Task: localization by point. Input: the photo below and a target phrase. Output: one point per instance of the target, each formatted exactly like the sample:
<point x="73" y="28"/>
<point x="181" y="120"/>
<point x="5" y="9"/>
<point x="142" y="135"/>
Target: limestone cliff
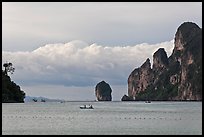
<point x="188" y="43"/>
<point x="178" y="77"/>
<point x="139" y="79"/>
<point x="160" y="60"/>
<point x="103" y="91"/>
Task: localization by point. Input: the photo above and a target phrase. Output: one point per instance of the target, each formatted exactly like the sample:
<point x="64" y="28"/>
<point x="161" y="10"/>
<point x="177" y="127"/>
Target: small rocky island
<point x="178" y="77"/>
<point x="103" y="91"/>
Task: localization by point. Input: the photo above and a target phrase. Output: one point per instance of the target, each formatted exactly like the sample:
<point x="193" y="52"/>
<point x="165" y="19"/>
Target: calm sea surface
<point x="138" y="118"/>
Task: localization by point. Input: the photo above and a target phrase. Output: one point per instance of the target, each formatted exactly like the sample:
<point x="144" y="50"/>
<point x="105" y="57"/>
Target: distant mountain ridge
<point x="40" y="99"/>
<point x="178" y="77"/>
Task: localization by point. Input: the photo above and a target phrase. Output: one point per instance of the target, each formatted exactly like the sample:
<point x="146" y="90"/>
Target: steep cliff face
<point x="103" y="91"/>
<point x="160" y="60"/>
<point x="160" y="64"/>
<point x="178" y="77"/>
<point x="139" y="79"/>
<point x="189" y="37"/>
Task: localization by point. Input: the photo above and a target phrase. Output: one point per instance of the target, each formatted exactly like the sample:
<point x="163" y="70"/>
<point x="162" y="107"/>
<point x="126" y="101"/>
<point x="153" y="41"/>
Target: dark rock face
<point x="185" y="34"/>
<point x="103" y="91"/>
<point x="189" y="36"/>
<point x="160" y="64"/>
<point x="126" y="98"/>
<point x="160" y="60"/>
<point x="178" y="77"/>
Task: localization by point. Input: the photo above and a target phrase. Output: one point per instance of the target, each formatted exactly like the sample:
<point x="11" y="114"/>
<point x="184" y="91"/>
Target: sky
<point x="61" y="50"/>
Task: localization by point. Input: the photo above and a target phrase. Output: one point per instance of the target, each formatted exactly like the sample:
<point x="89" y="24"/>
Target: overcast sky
<point x="70" y="47"/>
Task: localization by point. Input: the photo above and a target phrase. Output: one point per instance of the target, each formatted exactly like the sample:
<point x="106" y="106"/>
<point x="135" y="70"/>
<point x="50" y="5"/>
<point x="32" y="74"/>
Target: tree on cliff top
<point x="8" y="68"/>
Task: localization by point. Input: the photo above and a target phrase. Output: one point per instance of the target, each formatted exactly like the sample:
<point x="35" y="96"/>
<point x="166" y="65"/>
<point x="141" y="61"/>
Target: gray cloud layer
<point x="80" y="64"/>
<point x="28" y="25"/>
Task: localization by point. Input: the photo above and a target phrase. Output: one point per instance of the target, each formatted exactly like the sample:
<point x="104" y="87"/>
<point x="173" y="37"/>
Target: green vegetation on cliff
<point x="11" y="92"/>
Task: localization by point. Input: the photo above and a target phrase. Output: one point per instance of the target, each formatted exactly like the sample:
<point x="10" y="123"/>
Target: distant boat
<point x="86" y="107"/>
<point x="148" y="101"/>
<point x="42" y="100"/>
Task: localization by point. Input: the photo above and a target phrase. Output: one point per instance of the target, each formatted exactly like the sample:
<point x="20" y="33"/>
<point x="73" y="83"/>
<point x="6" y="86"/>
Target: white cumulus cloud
<point x="78" y="63"/>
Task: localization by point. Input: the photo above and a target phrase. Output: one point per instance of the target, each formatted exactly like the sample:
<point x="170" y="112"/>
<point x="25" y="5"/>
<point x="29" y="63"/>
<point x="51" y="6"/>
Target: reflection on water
<point x="139" y="118"/>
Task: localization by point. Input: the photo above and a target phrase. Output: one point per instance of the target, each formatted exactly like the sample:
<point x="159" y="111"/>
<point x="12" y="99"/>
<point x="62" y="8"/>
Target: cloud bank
<point x="78" y="63"/>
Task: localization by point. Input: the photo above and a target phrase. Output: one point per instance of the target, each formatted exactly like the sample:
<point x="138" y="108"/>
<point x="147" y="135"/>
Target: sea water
<point x="107" y="118"/>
